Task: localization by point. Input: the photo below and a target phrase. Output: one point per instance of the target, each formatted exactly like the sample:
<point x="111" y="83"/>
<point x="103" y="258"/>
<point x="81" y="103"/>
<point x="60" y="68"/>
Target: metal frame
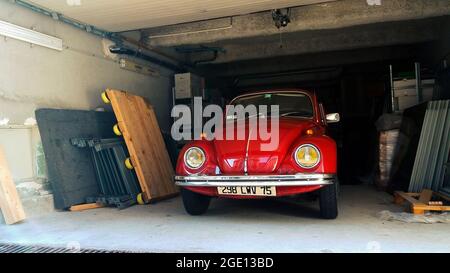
<point x="391" y="79"/>
<point x="118" y="185"/>
<point x="418" y="83"/>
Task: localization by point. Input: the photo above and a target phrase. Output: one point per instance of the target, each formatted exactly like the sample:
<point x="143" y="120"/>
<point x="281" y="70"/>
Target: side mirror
<point x="333" y="118"/>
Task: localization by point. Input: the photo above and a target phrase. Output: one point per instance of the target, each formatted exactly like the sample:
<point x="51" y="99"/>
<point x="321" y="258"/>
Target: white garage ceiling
<point x="122" y="15"/>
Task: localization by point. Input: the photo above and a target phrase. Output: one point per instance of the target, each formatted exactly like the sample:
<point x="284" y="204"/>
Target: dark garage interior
<point x="382" y="65"/>
<point x="350" y="72"/>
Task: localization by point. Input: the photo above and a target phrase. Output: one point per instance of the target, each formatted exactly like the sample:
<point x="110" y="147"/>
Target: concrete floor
<point x="237" y="226"/>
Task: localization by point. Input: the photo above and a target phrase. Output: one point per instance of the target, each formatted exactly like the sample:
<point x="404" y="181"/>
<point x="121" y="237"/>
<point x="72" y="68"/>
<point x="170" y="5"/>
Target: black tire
<point x="194" y="203"/>
<point x="328" y="201"/>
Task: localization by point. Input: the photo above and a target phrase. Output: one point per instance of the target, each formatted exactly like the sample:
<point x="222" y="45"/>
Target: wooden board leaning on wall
<point x="10" y="203"/>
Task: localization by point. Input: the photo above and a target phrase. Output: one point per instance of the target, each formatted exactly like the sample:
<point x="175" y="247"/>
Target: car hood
<point x="231" y="154"/>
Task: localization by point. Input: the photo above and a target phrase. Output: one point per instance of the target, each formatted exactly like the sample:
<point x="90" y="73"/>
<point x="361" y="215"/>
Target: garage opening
<point x="87" y="98"/>
<point x="354" y="82"/>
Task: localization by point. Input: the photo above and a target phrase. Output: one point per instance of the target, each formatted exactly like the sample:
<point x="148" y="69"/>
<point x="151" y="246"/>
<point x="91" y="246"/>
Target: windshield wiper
<point x="294" y="112"/>
<point x="233" y="117"/>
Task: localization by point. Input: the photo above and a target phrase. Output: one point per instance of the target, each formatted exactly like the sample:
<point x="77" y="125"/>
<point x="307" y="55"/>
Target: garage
<point x="91" y="93"/>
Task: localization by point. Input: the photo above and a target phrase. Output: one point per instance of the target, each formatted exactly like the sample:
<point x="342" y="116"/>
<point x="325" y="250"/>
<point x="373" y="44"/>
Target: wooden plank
<point x="10" y="203"/>
<point x="430" y="207"/>
<point x="407" y="197"/>
<point x="86" y="207"/>
<point x="425" y="196"/>
<point x="417" y="210"/>
<point x="398" y="199"/>
<point x="140" y="130"/>
<point x="413" y="194"/>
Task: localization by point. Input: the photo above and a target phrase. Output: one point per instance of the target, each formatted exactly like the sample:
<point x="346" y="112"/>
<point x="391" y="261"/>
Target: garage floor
<point x="237" y="226"/>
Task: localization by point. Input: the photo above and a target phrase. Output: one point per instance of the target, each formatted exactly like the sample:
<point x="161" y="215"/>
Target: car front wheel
<point x="328" y="201"/>
<point x="194" y="203"/>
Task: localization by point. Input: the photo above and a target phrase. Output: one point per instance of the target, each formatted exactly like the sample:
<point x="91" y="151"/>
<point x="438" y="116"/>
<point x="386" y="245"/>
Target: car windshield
<point x="291" y="104"/>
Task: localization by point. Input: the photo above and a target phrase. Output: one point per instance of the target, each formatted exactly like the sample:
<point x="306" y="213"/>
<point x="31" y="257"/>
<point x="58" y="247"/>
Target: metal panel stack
<point x="445" y="189"/>
<point x="433" y="150"/>
<point x="118" y="184"/>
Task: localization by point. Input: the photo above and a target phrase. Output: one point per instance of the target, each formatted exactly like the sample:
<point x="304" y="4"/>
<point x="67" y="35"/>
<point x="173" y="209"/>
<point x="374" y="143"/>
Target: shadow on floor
<point x="293" y="208"/>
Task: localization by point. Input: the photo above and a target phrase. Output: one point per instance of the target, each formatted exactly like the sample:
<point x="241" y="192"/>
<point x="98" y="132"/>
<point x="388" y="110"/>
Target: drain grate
<point x="16" y="248"/>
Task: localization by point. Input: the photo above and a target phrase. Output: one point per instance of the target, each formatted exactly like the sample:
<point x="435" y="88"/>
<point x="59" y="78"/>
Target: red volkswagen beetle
<point x="304" y="160"/>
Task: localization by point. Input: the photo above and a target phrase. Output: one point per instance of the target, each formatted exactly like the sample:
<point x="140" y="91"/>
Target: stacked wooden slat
<point x="387" y="148"/>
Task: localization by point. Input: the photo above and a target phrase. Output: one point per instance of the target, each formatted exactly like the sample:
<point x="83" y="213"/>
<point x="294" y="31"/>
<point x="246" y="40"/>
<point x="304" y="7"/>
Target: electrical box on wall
<point x="188" y="85"/>
<point x="138" y="68"/>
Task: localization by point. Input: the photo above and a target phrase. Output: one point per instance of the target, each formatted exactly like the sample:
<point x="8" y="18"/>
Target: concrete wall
<point x="33" y="77"/>
<point x="326" y="16"/>
<point x="442" y="49"/>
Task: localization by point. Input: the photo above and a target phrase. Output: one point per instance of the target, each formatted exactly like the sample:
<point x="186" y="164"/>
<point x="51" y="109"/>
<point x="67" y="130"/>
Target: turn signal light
<point x="309" y="132"/>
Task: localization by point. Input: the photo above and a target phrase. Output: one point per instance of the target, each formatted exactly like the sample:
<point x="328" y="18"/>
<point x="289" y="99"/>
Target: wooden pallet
<point x="88" y="206"/>
<point x="421" y="202"/>
<point x="148" y="154"/>
<point x="10" y="203"/>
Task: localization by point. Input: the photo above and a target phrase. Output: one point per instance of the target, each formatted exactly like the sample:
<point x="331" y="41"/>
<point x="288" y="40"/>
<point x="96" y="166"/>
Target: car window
<point x="292" y="104"/>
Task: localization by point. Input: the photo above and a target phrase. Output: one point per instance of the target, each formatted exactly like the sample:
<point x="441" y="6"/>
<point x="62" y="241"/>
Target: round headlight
<point x="307" y="156"/>
<point x="194" y="157"/>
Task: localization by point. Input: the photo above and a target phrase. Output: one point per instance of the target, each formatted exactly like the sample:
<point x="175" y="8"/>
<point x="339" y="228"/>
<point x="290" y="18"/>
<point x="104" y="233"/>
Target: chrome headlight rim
<point x="186" y="154"/>
<point x="310" y="146"/>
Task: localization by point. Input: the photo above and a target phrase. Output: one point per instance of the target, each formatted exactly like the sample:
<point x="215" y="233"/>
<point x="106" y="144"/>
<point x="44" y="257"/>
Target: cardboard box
<point x="406" y="95"/>
<point x="405" y="84"/>
<point x="409" y="101"/>
<point x="408" y="88"/>
<point x="188" y="85"/>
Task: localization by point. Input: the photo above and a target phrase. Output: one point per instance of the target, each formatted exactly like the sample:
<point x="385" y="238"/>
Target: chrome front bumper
<point x="255" y="180"/>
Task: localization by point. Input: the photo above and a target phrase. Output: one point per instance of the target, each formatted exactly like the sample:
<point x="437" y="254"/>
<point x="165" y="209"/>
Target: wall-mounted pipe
<point x="115" y="37"/>
<point x="201" y="49"/>
<point x="140" y="55"/>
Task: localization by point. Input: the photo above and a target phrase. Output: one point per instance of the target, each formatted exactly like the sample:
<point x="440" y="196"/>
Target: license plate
<point x="247" y="190"/>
